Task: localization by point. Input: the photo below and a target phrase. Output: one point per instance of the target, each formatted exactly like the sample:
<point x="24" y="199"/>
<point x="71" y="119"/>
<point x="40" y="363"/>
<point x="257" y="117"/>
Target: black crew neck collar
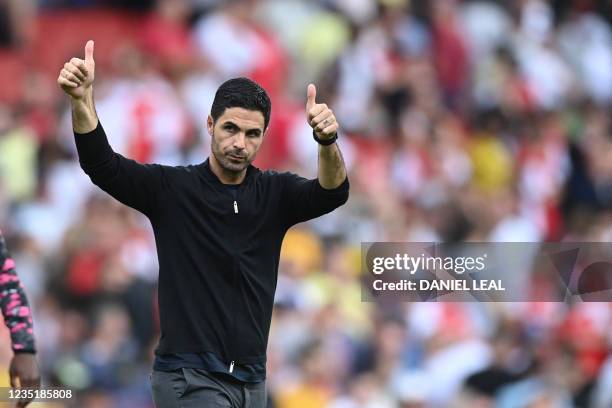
<point x="208" y="173"/>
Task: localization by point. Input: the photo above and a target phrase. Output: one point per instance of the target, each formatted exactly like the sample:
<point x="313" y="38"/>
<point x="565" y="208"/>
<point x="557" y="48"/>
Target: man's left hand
<point x="25" y="369"/>
<point x="320" y="117"/>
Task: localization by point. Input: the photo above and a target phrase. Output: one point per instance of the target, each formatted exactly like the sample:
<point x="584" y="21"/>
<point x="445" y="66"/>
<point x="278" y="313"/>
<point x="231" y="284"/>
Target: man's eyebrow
<point x="230" y="123"/>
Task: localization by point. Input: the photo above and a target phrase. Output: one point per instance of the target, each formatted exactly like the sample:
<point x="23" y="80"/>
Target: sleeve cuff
<point x="342" y="188"/>
<point x="24" y="351"/>
<point x="93" y="145"/>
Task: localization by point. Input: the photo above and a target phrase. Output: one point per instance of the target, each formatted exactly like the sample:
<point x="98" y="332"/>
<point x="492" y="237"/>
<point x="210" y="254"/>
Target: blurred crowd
<point x="461" y="121"/>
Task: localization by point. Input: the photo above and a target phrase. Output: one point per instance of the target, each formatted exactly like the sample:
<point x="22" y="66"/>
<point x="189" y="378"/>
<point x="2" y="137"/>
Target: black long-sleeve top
<point x="218" y="247"/>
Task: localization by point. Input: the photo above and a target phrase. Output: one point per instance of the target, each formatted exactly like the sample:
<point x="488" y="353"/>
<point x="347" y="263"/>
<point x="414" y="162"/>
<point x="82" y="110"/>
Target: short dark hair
<point x="241" y="93"/>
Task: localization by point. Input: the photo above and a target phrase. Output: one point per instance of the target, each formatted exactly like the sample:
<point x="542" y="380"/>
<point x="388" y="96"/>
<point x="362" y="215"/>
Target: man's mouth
<point x="236" y="156"/>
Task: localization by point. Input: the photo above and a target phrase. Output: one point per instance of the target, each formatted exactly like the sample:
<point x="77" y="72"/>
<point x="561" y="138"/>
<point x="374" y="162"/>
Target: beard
<point x="231" y="161"/>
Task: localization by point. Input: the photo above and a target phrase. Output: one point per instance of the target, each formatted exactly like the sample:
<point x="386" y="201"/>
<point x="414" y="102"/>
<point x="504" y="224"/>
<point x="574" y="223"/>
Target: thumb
<point x="312" y="94"/>
<point x="89" y="51"/>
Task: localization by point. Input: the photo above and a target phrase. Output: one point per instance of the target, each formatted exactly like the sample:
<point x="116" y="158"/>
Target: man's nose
<point x="239" y="141"/>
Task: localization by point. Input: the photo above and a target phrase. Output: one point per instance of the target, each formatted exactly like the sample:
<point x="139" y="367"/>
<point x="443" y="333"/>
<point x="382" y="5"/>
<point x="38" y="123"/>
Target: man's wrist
<point x="84" y="118"/>
<point x="87" y="95"/>
<point x="325" y="141"/>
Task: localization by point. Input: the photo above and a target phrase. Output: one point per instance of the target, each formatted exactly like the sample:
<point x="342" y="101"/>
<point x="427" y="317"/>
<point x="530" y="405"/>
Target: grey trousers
<point x="191" y="388"/>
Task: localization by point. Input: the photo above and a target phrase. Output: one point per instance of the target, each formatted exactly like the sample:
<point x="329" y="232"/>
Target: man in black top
<point x="218" y="228"/>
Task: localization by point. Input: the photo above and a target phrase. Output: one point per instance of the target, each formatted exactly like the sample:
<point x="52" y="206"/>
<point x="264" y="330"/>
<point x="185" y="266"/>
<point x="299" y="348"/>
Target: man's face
<point x="236" y="137"/>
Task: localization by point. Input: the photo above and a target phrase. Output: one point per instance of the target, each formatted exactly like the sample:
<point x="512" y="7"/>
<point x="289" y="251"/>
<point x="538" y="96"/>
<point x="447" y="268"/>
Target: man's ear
<point x="210" y="125"/>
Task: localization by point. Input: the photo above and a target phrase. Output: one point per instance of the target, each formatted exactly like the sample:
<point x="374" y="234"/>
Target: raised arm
<point x="332" y="171"/>
<point x="132" y="183"/>
<point x="305" y="199"/>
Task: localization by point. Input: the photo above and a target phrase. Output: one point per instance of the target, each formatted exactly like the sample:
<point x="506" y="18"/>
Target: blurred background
<point x="462" y="121"/>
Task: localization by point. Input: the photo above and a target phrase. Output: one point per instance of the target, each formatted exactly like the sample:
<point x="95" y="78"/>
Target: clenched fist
<point x="77" y="75"/>
<point x="320" y="117"/>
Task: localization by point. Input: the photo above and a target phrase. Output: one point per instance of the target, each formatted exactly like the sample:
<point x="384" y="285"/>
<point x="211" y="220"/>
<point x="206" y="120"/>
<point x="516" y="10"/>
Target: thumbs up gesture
<point x="320" y="117"/>
<point x="77" y="76"/>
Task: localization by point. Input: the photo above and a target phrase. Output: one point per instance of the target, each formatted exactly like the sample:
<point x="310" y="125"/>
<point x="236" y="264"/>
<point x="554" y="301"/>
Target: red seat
<point x="62" y="34"/>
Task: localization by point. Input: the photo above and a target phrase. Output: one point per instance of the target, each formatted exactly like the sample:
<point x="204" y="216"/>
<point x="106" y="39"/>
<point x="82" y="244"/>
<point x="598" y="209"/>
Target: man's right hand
<point x="77" y="76"/>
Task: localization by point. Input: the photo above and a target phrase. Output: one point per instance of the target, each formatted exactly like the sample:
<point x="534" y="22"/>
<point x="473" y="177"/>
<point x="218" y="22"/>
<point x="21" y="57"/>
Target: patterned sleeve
<point x="14" y="304"/>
